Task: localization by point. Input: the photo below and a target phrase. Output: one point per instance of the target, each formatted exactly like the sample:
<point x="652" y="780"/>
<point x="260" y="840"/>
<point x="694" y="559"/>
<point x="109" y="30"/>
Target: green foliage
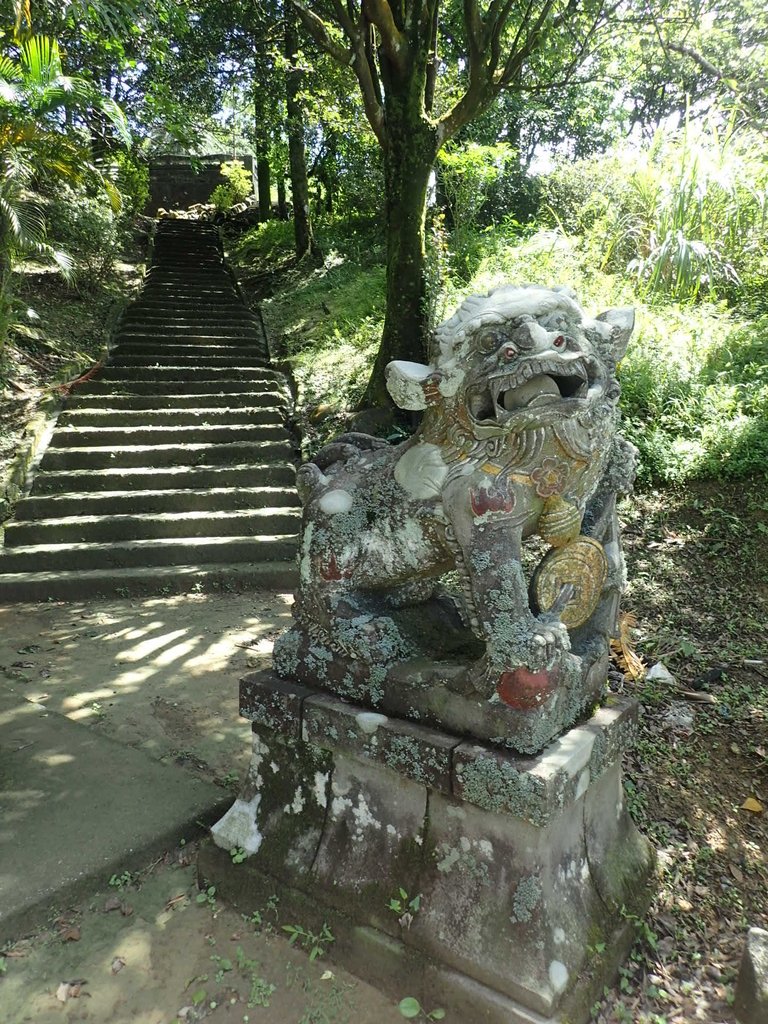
<point x="207" y="896"/>
<point x="40" y="152"/>
<point x="266" y="244"/>
<point x="695" y="395"/>
<point x="124" y="880"/>
<point x="467" y="175"/>
<point x="688" y="216"/>
<point x="133" y="183"/>
<point x="403" y="904"/>
<point x="88" y="230"/>
<point x="412" y="1009"/>
<point x="313" y="943"/>
<point x="238" y="185"/>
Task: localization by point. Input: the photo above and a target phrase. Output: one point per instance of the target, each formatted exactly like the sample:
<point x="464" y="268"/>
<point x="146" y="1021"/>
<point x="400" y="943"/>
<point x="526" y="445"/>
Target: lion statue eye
<point x="559" y="341"/>
<point x="488" y="341"/>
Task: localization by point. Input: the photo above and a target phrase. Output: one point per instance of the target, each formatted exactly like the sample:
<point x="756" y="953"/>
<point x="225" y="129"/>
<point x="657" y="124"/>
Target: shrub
<point x="467" y="175"/>
<point x="238" y="185"/>
<point x="688" y="217"/>
<point x="133" y="185"/>
<point x="86" y="227"/>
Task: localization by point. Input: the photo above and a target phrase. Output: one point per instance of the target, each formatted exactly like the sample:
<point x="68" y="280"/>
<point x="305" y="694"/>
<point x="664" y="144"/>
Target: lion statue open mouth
<point x="518" y="440"/>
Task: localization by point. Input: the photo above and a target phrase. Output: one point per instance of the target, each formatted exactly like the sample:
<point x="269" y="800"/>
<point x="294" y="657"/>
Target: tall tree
<point x="394" y="49"/>
<point x="302" y="221"/>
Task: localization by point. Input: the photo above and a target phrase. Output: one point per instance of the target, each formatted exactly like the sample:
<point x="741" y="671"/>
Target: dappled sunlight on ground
<point x="160" y="674"/>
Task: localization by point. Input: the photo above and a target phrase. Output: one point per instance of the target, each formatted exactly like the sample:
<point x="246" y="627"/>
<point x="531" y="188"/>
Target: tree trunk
<point x="302" y="221"/>
<point x="264" y="182"/>
<point x="282" y="204"/>
<point x="408" y="162"/>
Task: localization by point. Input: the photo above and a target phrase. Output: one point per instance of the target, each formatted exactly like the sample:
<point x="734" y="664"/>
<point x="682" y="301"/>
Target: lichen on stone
<point x="526" y="899"/>
<point x="497" y="786"/>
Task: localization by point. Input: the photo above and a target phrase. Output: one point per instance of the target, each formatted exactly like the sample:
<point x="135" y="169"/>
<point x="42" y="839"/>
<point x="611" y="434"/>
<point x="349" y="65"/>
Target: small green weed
<point x="207" y="896"/>
<point x="261" y="992"/>
<point x="404" y="907"/>
<point x="238" y="854"/>
<point x="259" y="917"/>
<point x="123" y="881"/>
<point x="223" y="966"/>
<point x="313" y="943"/>
<point x="413" y="1010"/>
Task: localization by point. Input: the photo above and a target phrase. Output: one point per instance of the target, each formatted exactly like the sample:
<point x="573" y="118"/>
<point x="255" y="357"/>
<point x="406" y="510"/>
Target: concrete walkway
<point x="171" y="467"/>
<point x="119" y="735"/>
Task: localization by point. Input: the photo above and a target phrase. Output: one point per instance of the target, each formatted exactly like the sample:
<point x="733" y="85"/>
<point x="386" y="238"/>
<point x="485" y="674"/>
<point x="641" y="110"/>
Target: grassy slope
<point x="698" y="567"/>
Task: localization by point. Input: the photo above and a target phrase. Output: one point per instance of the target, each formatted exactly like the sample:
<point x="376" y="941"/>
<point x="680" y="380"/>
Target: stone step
<point x="213" y="326"/>
<point x="189" y="303"/>
<point x="225" y="347"/>
<point x="169" y="390"/>
<point x="233" y="318"/>
<point x="163" y="276"/>
<point x="135" y="553"/>
<point x="128" y="502"/>
<point x="171" y="291"/>
<point x="105" y="417"/>
<point x="143" y="581"/>
<point x="211" y="374"/>
<point x="92" y="529"/>
<point x="167" y="455"/>
<point x="111" y="401"/>
<point x="242" y="361"/>
<point x="154" y="478"/>
<point x="116" y="437"/>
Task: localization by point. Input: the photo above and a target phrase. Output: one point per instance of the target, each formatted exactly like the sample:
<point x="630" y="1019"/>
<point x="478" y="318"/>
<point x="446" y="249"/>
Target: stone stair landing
<point x="172" y="468"/>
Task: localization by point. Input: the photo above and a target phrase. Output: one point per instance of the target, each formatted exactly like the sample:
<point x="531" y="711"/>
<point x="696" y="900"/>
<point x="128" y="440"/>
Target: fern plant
<point x="39" y="149"/>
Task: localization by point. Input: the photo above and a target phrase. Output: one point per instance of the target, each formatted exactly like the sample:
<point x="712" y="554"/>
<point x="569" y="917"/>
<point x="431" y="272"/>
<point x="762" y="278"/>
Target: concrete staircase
<point x="172" y="468"/>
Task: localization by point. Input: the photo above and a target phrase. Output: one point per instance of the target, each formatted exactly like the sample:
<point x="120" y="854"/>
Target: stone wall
<point x="176" y="182"/>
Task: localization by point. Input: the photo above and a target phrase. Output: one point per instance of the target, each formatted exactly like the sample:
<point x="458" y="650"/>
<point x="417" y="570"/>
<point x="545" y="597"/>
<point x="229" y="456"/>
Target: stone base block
<point x="527" y="870"/>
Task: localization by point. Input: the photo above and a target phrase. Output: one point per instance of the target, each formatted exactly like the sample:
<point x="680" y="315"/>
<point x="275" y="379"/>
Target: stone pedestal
<point x="529" y="869"/>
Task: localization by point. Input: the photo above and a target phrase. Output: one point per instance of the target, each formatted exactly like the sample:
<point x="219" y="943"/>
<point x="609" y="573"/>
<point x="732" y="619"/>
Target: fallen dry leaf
<point x="70" y="989"/>
<point x="750" y="804"/>
<point x="112" y="903"/>
<point x="70" y="934"/>
<point x="736" y="872"/>
<point x="174" y="901"/>
<point x="126" y="909"/>
<point x="117" y="965"/>
<point x="623" y="647"/>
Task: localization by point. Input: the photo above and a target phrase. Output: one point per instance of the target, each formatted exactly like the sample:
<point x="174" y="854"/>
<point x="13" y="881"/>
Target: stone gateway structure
<point x="433" y="721"/>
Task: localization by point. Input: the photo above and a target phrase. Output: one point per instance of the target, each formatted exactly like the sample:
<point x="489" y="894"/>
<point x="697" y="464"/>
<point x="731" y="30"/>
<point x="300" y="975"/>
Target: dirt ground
<point x="146" y="952"/>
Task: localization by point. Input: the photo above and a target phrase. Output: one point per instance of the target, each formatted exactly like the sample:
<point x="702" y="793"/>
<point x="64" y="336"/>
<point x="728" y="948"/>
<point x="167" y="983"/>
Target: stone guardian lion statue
<point x="517" y="444"/>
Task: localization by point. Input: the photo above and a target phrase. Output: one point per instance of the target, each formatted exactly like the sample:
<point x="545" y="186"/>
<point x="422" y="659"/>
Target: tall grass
<point x="687" y="217"/>
<point x="694" y="379"/>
